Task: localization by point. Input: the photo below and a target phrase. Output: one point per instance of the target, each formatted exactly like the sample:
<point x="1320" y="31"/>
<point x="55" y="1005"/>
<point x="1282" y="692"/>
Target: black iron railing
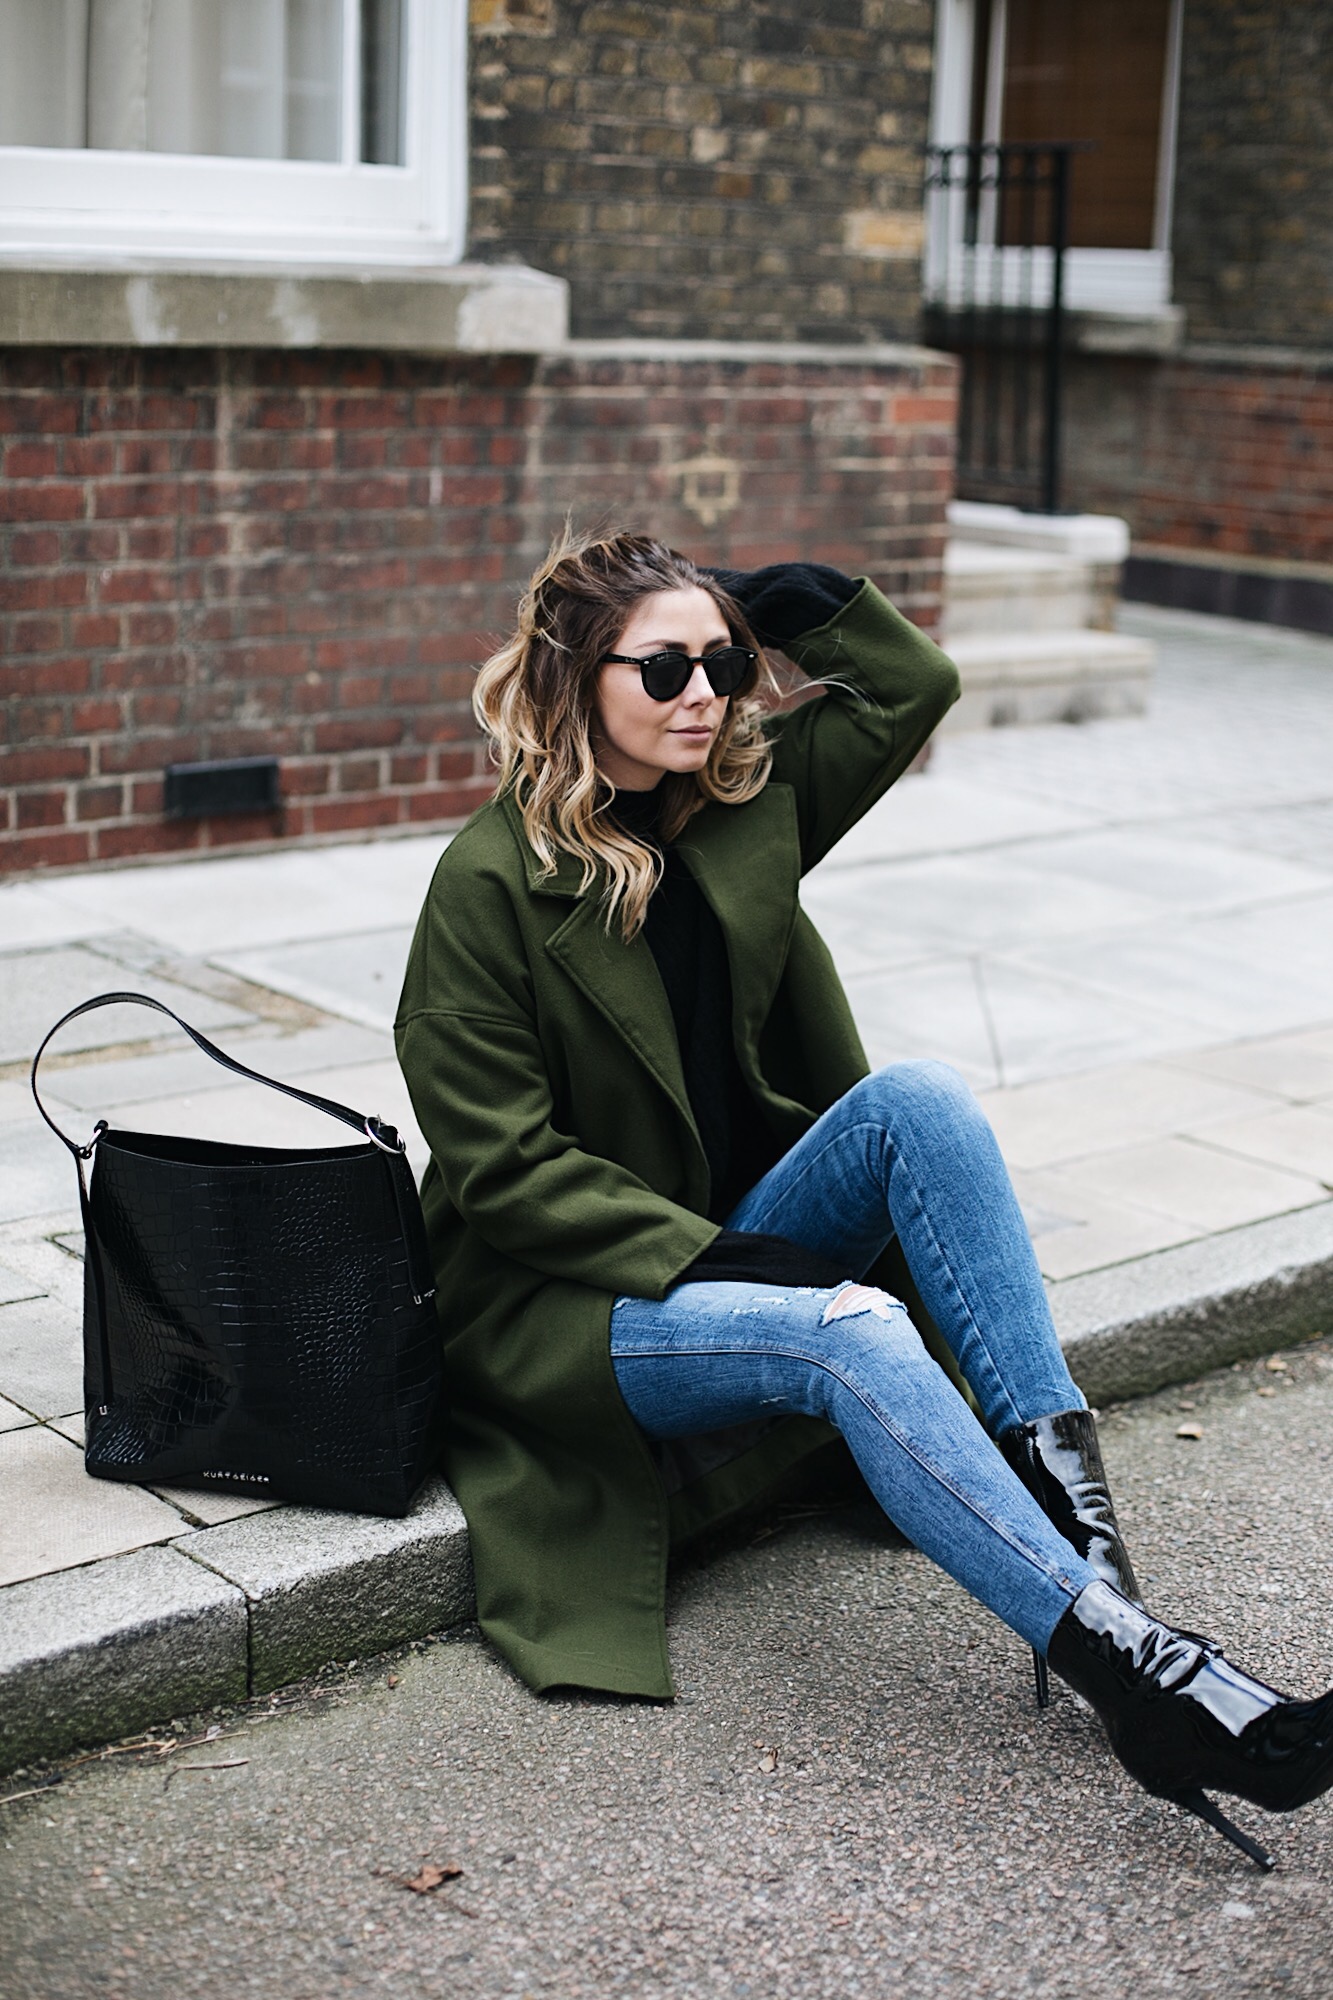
<point x="997" y="232"/>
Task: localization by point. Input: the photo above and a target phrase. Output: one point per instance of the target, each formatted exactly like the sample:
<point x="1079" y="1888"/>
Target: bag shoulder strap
<point x="382" y="1135"/>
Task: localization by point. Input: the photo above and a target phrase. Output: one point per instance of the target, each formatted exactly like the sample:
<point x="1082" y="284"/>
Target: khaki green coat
<point x="566" y="1168"/>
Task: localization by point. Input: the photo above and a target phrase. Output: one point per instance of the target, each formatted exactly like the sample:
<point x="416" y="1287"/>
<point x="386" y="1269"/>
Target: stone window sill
<point x="455" y="309"/>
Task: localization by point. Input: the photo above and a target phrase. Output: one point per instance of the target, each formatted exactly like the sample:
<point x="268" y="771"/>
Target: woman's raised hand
<point x="783" y="600"/>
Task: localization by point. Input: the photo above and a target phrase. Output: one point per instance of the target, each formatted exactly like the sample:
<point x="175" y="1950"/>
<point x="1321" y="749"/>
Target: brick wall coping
<point x="1161" y="331"/>
<point x="825" y="354"/>
<point x="456" y="309"/>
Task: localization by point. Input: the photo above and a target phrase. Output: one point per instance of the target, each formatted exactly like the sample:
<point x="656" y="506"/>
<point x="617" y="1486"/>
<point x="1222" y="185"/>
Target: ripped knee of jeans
<point x="853" y="1299"/>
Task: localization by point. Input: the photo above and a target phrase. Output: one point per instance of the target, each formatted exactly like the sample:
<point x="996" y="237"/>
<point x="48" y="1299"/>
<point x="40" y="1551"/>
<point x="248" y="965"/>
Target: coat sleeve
<point x="477" y="1075"/>
<point x="842" y="751"/>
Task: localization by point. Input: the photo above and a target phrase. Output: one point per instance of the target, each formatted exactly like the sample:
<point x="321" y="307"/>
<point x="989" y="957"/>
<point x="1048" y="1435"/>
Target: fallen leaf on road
<point x="1265" y="1391"/>
<point x="1276" y="1365"/>
<point x="769" y="1761"/>
<point x="393" y="1680"/>
<point x="1190" y="1431"/>
<point x="430" y="1876"/>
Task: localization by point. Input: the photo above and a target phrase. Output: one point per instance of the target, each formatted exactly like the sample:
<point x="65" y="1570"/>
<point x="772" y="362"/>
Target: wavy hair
<point x="534" y="700"/>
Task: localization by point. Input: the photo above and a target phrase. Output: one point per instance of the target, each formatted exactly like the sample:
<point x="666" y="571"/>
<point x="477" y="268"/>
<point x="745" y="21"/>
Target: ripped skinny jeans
<point x="906" y="1152"/>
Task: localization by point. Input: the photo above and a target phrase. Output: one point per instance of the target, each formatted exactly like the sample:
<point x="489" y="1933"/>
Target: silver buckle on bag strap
<point x="372" y="1128"/>
<point x="86" y="1152"/>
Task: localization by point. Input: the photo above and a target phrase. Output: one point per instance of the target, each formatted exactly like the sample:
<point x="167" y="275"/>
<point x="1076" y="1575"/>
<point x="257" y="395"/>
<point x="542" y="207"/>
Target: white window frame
<point x="1129" y="282"/>
<point x="100" y="210"/>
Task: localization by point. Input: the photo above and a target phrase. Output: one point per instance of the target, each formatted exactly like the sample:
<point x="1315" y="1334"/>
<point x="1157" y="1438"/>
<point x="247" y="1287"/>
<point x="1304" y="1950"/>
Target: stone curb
<point x="1166" y="1318"/>
<point x="90" y="1654"/>
<point x="87" y="1655"/>
<point x="321" y="1586"/>
<point x="94" y="1653"/>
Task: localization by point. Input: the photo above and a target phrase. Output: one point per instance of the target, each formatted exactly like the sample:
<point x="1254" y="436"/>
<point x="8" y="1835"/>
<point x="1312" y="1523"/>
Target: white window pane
<point x="252" y="79"/>
<point x="314" y="79"/>
<point x="267" y="212"/>
<point x="184" y="102"/>
<point x="43" y="64"/>
<point x="118" y="57"/>
<point x="382" y="72"/>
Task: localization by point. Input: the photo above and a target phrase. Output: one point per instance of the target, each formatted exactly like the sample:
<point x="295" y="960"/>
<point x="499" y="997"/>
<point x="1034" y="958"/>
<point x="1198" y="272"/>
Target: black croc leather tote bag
<point x="257" y="1320"/>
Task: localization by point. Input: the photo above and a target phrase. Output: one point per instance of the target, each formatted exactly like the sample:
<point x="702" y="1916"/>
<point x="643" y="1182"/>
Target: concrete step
<point x="1045" y="676"/>
<point x="988" y="587"/>
<point x="1094" y="538"/>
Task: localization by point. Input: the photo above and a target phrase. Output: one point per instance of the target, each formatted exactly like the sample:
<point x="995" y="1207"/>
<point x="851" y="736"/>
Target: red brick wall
<point x="1206" y="454"/>
<point x="219" y="555"/>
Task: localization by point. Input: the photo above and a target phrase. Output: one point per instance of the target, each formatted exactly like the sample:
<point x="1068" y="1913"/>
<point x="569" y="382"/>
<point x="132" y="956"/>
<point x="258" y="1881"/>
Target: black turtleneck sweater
<point x="686" y="941"/>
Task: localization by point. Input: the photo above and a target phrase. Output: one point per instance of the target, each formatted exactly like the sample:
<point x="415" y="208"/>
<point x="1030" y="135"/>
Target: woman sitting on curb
<point x="669" y="1208"/>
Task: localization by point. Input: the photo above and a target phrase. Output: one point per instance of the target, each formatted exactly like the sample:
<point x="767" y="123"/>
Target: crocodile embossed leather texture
<point x="263" y="1329"/>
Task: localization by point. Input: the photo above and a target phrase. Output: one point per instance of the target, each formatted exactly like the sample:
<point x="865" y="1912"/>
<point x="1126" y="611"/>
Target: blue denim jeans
<point x="906" y="1152"/>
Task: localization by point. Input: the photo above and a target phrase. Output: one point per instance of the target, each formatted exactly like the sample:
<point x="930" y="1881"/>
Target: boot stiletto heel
<point x="1204" y="1809"/>
<point x="1042" y="1678"/>
<point x="1059" y="1460"/>
<point x="1182" y="1720"/>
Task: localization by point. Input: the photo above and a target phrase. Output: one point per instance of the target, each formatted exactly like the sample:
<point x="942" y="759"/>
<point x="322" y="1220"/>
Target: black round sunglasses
<point x="665" y="675"/>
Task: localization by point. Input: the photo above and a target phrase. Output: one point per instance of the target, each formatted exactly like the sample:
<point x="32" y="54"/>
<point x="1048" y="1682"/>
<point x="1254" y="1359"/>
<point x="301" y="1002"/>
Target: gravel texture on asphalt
<point x="854" y="1793"/>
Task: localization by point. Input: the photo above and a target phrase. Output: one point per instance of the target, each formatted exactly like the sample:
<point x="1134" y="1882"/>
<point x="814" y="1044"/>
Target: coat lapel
<point x="622" y="983"/>
<point x="746" y="861"/>
<point x="619" y="979"/>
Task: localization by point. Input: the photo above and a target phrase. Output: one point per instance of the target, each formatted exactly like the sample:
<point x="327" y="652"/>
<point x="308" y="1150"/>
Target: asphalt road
<point x="853" y="1795"/>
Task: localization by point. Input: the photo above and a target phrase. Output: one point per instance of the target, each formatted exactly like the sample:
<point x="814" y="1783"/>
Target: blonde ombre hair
<point x="534" y="699"/>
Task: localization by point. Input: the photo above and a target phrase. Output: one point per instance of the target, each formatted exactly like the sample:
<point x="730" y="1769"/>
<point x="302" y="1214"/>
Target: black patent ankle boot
<point x="1181" y="1718"/>
<point x="1059" y="1460"/>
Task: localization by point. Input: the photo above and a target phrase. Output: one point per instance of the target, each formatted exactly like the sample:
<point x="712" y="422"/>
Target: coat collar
<point x="721" y="845"/>
<point x="568" y="872"/>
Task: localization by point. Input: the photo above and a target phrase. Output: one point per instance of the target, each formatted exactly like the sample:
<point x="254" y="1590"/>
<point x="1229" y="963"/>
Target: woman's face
<point x="635" y="739"/>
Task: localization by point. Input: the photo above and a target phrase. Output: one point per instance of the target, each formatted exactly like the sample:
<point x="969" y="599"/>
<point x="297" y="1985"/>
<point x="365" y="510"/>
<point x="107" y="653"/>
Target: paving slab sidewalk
<point x="1121" y="933"/>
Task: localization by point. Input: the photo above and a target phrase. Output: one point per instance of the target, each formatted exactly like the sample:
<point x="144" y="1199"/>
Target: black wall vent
<point x="232" y="785"/>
